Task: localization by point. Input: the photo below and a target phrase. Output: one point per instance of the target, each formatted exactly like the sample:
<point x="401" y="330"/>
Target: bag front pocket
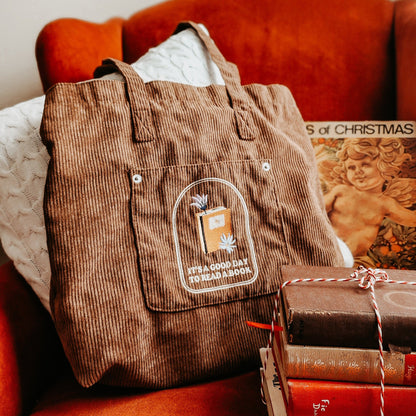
<point x="207" y="234"/>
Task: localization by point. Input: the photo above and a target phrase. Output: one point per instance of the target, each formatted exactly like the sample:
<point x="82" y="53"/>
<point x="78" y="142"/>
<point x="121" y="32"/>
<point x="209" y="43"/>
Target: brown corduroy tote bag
<point x="169" y="210"/>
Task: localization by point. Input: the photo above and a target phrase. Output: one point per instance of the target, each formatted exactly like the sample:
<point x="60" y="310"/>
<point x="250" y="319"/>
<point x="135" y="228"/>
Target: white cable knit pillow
<point x="24" y="159"/>
<point x="23" y="165"/>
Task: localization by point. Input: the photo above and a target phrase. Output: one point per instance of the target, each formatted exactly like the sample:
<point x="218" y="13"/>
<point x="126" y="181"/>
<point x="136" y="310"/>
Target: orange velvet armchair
<point x="352" y="60"/>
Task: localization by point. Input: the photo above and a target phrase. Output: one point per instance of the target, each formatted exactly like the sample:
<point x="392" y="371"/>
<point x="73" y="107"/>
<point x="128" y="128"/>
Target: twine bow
<point x="367" y="279"/>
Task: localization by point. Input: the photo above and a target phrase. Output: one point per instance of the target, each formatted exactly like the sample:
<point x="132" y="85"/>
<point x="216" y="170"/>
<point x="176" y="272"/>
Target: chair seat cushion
<point x="238" y="395"/>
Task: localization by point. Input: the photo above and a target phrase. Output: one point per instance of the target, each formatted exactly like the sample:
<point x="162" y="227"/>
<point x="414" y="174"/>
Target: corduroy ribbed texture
<point x="135" y="298"/>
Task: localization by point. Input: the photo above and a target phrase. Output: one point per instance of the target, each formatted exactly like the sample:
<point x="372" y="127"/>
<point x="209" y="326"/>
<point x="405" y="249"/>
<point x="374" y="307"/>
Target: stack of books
<point x="325" y="361"/>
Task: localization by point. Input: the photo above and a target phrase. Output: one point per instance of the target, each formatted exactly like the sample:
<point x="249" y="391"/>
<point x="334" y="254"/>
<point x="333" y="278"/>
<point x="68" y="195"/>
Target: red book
<point x="332" y="398"/>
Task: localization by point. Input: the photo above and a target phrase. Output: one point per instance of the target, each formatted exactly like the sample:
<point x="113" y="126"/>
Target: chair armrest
<point x="65" y="43"/>
<point x="405" y="35"/>
<point x="29" y="348"/>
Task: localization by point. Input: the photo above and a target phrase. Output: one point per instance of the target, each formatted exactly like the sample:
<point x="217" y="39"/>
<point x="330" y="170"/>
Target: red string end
<point x="264" y="326"/>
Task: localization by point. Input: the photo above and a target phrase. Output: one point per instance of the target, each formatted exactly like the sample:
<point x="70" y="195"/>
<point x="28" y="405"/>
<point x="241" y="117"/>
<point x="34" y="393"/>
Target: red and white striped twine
<point x="367" y="279"/>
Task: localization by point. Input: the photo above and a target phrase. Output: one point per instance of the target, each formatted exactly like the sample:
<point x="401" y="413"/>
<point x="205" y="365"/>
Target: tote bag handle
<point x="231" y="77"/>
<point x="140" y="104"/>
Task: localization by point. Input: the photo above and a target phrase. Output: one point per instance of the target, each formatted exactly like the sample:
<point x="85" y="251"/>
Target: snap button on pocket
<point x="266" y="166"/>
<point x="137" y="178"/>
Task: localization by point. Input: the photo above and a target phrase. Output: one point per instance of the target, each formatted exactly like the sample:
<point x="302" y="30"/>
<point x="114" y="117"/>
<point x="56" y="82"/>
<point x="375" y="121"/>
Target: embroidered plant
<point x="227" y="243"/>
<point x="200" y="201"/>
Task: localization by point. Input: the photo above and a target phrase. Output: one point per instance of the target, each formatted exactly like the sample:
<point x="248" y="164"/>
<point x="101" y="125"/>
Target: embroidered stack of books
<point x="327" y="356"/>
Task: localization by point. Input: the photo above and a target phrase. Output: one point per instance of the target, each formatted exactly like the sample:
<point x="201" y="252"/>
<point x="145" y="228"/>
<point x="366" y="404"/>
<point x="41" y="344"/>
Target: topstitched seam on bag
<point x="281" y="228"/>
<point x="191" y="165"/>
<point x="216" y="99"/>
<point x="264" y="292"/>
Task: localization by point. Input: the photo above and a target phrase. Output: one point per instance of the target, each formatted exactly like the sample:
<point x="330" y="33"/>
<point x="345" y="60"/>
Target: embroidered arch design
<point x="248" y="235"/>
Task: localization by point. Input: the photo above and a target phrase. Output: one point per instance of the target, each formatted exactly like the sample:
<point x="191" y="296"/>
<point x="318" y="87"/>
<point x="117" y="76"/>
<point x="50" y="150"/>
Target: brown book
<point x="340" y="314"/>
<point x="343" y="364"/>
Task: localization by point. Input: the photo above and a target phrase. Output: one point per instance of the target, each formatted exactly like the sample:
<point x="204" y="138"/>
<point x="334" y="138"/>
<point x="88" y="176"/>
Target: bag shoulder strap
<point x="231" y="76"/>
<point x="141" y="114"/>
